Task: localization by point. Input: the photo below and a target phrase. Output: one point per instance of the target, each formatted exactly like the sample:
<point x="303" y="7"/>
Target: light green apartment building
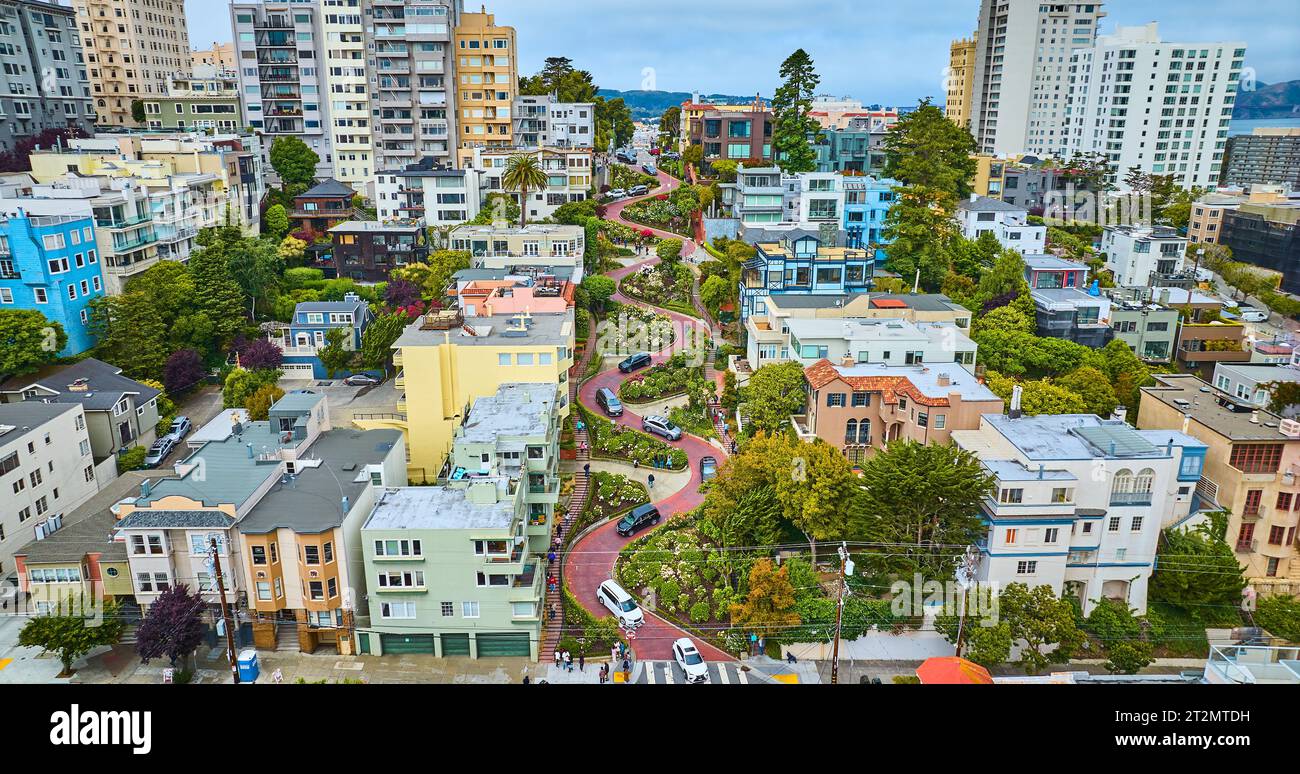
<point x="459" y="568"/>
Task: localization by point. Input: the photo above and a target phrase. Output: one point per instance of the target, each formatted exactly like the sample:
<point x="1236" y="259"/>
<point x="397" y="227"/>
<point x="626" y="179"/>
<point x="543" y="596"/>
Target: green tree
<point x="29" y="340"/>
<point x="794" y="130"/>
<point x="275" y="223"/>
<point x="927" y="496"/>
<point x="240" y="383"/>
<point x="435" y="275"/>
<point x="1041" y="619"/>
<point x="613" y="122"/>
<point x="334" y="355"/>
<point x="926" y="150"/>
<point x="71" y="633"/>
<point x="259" y="403"/>
<point x="257" y="268"/>
<point x="1127" y="373"/>
<point x="988" y="646"/>
<point x="670" y="252"/>
<point x="774" y="392"/>
<point x="1093" y="387"/>
<point x="523" y="173"/>
<point x="1280" y="617"/>
<point x="670" y="125"/>
<point x="1128" y="658"/>
<point x="1282" y="395"/>
<point x="815" y="490"/>
<point x="599" y="290"/>
<point x="715" y="292"/>
<point x="559" y="77"/>
<point x="1196" y="568"/>
<point x="378" y="338"/>
<point x="921" y="231"/>
<point x="768" y="607"/>
<point x="499" y="207"/>
<point x="137" y="111"/>
<point x="293" y="161"/>
<point x="216" y="292"/>
<point x="130" y="334"/>
<point x="1037" y="396"/>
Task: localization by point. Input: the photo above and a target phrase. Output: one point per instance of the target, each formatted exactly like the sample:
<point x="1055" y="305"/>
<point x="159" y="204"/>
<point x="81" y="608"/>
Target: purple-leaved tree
<point x="401" y="293"/>
<point x="173" y="628"/>
<point x="184" y="370"/>
<point x="261" y="354"/>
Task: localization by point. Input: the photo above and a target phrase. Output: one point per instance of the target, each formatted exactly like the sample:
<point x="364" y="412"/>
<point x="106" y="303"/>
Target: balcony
<point x="544" y="493"/>
<point x="539" y="464"/>
<point x="401" y="404"/>
<point x="140" y="240"/>
<point x="399" y="381"/>
<point x="1253" y="513"/>
<point x="1247" y="546"/>
<point x="124" y="222"/>
<point x="1130" y="498"/>
<point x="802" y="428"/>
<point x="397" y="359"/>
<point x="1253" y="664"/>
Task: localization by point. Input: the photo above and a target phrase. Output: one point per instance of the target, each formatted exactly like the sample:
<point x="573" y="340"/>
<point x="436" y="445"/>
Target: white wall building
<point x="348" y="94"/>
<point x="568" y="175"/>
<point x="47" y="470"/>
<point x="1021" y="80"/>
<point x="1142" y="256"/>
<point x="543" y="121"/>
<point x="442" y="197"/>
<point x="1008" y="222"/>
<point x="1079" y="502"/>
<point x="881" y="341"/>
<point x="1161" y="106"/>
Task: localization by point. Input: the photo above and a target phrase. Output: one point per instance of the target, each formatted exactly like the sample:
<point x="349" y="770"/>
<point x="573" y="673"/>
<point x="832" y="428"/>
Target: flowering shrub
<point x="659" y="285"/>
<point x="629" y="329"/>
<point x="661" y="381"/>
<point x="684" y="569"/>
<point x="614" y="492"/>
<point x="626" y="444"/>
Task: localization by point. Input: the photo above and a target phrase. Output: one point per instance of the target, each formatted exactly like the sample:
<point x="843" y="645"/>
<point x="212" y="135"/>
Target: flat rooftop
<point x="1253" y="372"/>
<point x="515" y="410"/>
<point x="924" y="378"/>
<point x="545" y="330"/>
<point x="533" y="229"/>
<point x="871" y="329"/>
<point x="1049" y="437"/>
<point x="227" y="471"/>
<point x="373" y="226"/>
<point x="439" y="507"/>
<point x="1044" y="262"/>
<point x="1014" y="470"/>
<point x="1195" y="398"/>
<point x="18" y="419"/>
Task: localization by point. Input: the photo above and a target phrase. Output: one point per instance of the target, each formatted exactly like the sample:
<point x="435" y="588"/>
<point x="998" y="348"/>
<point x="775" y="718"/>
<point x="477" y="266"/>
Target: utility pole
<point x="225" y="613"/>
<point x="846" y="569"/>
<point x="965" y="577"/>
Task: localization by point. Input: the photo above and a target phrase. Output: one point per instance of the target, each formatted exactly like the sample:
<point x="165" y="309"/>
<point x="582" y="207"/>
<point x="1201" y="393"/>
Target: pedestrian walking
<point x="627" y="666"/>
<point x="550" y="557"/>
<point x="586" y="470"/>
<point x="753" y="643"/>
<point x="602" y="674"/>
<point x="613" y="655"/>
<point x="525" y="679"/>
<point x="568" y="661"/>
<point x="636" y="464"/>
<point x="622" y="650"/>
<point x="651" y="479"/>
<point x="552" y="611"/>
<point x="582" y="662"/>
<point x="557" y="657"/>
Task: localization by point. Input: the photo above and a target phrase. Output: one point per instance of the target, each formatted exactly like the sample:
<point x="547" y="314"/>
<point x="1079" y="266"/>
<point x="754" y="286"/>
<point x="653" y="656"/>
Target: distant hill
<point x="652" y="104"/>
<point x="1271" y="100"/>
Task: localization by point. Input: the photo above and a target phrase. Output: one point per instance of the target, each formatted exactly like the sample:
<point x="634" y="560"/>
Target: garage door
<point x="455" y="644"/>
<point x="397" y="644"/>
<point x="297" y="370"/>
<point x="513" y="644"/>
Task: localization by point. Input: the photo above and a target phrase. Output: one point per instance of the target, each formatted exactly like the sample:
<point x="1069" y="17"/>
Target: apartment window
<point x="1062" y="495"/>
<point x="329" y="552"/>
<point x="397" y="579"/>
<point x="1284" y="501"/>
<point x="1051" y="534"/>
<point x="1113" y="526"/>
<point x="275" y="554"/>
<point x="1011" y="536"/>
<point x="259" y="554"/>
<point x="333" y="586"/>
<point x="469" y="609"/>
<point x="1026" y="568"/>
<point x="1011" y="496"/>
<point x="316" y="590"/>
<point x="448" y="609"/>
<point x="1256" y="457"/>
<point x="396" y="609"/>
<point x="398" y="548"/>
<point x="311" y="554"/>
<point x="835" y="399"/>
<point x="1275" y="535"/>
<point x="264" y="591"/>
<point x="861" y="399"/>
<point x="1136" y="525"/>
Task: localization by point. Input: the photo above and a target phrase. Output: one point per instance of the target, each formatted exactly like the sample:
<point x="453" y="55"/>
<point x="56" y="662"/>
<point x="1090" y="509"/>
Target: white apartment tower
<point x="1164" y="107"/>
<point x="280" y="54"/>
<point x="349" y="94"/>
<point x="1020" y="85"/>
<point x="411" y="65"/>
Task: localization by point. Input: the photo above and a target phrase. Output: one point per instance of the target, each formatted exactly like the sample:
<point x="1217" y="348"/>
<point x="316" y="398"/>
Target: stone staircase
<point x="719" y="423"/>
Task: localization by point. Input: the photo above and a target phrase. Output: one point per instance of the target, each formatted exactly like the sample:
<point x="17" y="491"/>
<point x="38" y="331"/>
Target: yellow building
<point x="448" y="361"/>
<point x="221" y="56"/>
<point x="960" y="82"/>
<point x="487" y="81"/>
<point x="129" y="57"/>
<point x="990" y="174"/>
<point x="80" y="563"/>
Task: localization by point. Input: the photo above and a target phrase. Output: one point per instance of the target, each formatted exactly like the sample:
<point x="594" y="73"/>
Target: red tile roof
<point x="823" y="372"/>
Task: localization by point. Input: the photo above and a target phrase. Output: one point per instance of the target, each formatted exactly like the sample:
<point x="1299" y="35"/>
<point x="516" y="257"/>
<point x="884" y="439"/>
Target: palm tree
<point x="523" y="173"/>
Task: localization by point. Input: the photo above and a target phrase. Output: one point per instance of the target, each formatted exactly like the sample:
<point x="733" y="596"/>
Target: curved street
<point x="591" y="560"/>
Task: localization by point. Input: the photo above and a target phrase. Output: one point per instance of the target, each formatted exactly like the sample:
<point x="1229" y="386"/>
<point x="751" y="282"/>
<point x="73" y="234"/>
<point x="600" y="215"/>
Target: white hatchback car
<point x="691" y="662"/>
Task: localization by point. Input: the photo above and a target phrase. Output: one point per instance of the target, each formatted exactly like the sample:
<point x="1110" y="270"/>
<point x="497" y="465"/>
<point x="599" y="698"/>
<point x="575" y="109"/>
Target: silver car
<point x="159" y="451"/>
<point x="661" y="426"/>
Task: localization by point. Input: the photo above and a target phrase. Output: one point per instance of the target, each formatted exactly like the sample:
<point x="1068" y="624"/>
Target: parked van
<point x="606" y="399"/>
<point x="621" y="604"/>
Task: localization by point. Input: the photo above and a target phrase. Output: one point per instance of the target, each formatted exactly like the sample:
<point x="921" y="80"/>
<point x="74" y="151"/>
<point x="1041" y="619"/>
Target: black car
<point x="633" y="362"/>
<point x="637" y="519"/>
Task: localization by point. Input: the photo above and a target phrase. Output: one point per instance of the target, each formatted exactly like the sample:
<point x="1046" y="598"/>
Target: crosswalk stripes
<point x="722" y="676"/>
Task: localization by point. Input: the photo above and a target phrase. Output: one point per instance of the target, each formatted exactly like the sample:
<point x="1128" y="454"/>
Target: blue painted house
<point x="797" y="262"/>
<point x="866" y="203"/>
<point x="306" y="333"/>
<point x="49" y="263"/>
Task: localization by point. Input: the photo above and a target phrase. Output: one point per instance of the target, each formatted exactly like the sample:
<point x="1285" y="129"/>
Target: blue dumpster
<point x="248" y="666"/>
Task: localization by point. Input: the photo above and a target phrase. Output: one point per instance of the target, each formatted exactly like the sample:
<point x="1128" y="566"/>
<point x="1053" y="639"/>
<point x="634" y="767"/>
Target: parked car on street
<point x="649" y="169"/>
<point x="360" y="380"/>
<point x="690" y="661"/>
<point x="159" y="451"/>
<point x="637" y="519"/>
<point x="617" y="193"/>
<point x="181" y="427"/>
<point x="661" y="426"/>
<point x="633" y="362"/>
<point x="1251" y="314"/>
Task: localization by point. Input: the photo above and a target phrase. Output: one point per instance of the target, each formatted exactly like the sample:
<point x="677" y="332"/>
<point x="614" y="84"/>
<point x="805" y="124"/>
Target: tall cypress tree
<point x="795" y="130"/>
<point x="216" y="293"/>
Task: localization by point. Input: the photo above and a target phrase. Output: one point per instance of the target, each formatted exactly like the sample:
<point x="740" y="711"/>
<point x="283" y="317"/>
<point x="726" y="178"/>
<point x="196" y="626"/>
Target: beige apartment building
<point x="1206" y="222"/>
<point x="859" y="408"/>
<point x="132" y="48"/>
<point x="221" y="56"/>
<point x="487" y="81"/>
<point x="960" y="81"/>
<point x="1250" y="471"/>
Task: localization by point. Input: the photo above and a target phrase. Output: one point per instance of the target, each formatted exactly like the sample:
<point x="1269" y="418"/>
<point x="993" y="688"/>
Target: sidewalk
<point x="667" y="482"/>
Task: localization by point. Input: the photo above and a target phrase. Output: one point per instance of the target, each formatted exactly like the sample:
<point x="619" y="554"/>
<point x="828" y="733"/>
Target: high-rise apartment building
<point x="349" y="95"/>
<point x="133" y="47"/>
<point x="1161" y="106"/>
<point x="960" y="82"/>
<point x="487" y="80"/>
<point x="1266" y="156"/>
<point x="280" y="51"/>
<point x="1021" y="78"/>
<point x="411" y="72"/>
<point x="48" y="87"/>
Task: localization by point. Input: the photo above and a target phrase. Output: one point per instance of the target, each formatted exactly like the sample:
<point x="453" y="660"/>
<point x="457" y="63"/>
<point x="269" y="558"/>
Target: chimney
<point x="1254" y="417"/>
<point x="145" y="488"/>
<point x="1187" y="422"/>
<point x="847" y="361"/>
<point x="1014" y="413"/>
<point x="944" y="380"/>
<point x="1121" y="413"/>
<point x="974" y="197"/>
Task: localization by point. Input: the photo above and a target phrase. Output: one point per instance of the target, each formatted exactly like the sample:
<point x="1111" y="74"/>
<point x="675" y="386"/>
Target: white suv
<point x="691" y="662"/>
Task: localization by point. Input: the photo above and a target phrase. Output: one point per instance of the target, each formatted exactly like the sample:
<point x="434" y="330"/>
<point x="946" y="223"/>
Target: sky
<point x="878" y="52"/>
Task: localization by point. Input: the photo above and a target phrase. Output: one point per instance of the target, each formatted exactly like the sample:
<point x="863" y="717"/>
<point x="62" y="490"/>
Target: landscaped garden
<point x="665" y="380"/>
<point x="619" y="442"/>
<point x="626" y="178"/>
<point x="665" y="284"/>
<point x="628" y="328"/>
<point x="613" y="493"/>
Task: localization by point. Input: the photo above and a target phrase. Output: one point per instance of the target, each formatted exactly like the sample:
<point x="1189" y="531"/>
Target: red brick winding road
<point x="590" y="561"/>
